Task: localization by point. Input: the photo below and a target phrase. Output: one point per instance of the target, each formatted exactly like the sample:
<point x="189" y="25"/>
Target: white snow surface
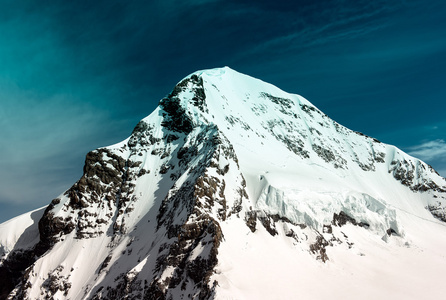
<point x="300" y="166"/>
<point x="20" y="232"/>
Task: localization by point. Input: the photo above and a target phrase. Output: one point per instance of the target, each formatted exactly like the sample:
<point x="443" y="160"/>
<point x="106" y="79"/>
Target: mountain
<point x="235" y="189"/>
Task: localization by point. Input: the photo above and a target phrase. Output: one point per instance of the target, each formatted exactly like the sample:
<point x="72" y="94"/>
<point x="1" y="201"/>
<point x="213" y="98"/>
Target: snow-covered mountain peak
<point x="285" y="131"/>
<point x="228" y="172"/>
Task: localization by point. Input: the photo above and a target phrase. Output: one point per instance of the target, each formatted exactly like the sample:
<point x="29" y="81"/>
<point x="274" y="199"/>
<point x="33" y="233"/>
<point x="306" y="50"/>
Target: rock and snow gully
<point x="235" y="189"/>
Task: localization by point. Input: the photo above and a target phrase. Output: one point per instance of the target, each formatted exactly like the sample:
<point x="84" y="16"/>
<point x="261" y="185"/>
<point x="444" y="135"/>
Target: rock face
<point x="225" y="166"/>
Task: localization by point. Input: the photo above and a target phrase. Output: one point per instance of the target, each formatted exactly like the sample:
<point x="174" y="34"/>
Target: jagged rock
<point x="251" y="220"/>
<point x="319" y="248"/>
<point x="342" y="218"/>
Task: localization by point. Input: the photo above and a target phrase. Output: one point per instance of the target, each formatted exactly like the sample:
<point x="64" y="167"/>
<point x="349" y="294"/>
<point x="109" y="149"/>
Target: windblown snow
<point x="235" y="189"/>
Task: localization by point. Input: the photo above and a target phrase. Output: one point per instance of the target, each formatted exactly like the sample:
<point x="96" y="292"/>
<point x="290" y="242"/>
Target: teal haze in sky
<point x="78" y="75"/>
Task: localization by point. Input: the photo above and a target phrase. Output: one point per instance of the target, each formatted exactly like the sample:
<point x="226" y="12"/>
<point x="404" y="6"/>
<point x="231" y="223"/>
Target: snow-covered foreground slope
<point x="234" y="189"/>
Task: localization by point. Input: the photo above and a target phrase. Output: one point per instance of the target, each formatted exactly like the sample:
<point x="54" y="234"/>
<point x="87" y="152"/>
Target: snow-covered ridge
<point x="228" y="172"/>
<point x="252" y="114"/>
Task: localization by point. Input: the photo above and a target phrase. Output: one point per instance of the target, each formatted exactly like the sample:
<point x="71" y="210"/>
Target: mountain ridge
<point x="213" y="165"/>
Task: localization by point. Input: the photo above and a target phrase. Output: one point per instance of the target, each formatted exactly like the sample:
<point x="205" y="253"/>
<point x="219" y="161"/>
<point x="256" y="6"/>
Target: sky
<point x="79" y="75"/>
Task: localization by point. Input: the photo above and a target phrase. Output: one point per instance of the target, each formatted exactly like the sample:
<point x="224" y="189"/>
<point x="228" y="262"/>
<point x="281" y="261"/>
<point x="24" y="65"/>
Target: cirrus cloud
<point x="429" y="150"/>
<point x="432" y="152"/>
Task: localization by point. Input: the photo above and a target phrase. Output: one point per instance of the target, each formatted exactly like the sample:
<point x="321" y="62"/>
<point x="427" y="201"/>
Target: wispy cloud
<point x="430" y="150"/>
<point x="319" y="24"/>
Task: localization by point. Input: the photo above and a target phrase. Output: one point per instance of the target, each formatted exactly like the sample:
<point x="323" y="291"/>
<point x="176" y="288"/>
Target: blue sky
<point x="78" y="75"/>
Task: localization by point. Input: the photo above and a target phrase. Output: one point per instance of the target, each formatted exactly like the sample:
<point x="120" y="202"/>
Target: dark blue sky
<point x="78" y="75"/>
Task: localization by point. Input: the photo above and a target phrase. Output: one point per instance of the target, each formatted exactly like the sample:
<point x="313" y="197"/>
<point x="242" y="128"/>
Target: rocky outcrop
<point x="176" y="117"/>
<point x="438" y="211"/>
<point x="410" y="174"/>
<point x="190" y="214"/>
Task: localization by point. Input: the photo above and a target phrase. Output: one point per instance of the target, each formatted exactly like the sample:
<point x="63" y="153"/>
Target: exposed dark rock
<point x="366" y="167"/>
<point x="290" y="233"/>
<point x="403" y="171"/>
<point x="105" y="263"/>
<point x="327" y="229"/>
<point x="194" y="84"/>
<point x="407" y="173"/>
<point x="380" y="157"/>
<point x="243" y="195"/>
<point x="362" y="134"/>
<point x="428" y="186"/>
<point x="202" y="231"/>
<point x="438" y="211"/>
<point x="364" y="225"/>
<point x="311" y="109"/>
<point x="293" y="144"/>
<point x="328" y="156"/>
<point x="342" y="218"/>
<point x="142" y="136"/>
<point x="391" y="231"/>
<point x="50" y="228"/>
<point x="127" y="286"/>
<point x="171" y="137"/>
<point x="285" y="105"/>
<point x="268" y="223"/>
<point x="176" y="118"/>
<point x="277" y="218"/>
<point x="165" y="168"/>
<point x="319" y="248"/>
<point x="210" y="189"/>
<point x="56" y="282"/>
<point x="186" y="154"/>
<point x="267" y="220"/>
<point x="199" y="94"/>
<point x="12" y="270"/>
<point x="251" y="220"/>
<point x="143" y="172"/>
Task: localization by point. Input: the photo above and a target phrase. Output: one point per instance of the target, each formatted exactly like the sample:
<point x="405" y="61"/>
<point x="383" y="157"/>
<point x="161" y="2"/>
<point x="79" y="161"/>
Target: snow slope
<point x="235" y="189"/>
